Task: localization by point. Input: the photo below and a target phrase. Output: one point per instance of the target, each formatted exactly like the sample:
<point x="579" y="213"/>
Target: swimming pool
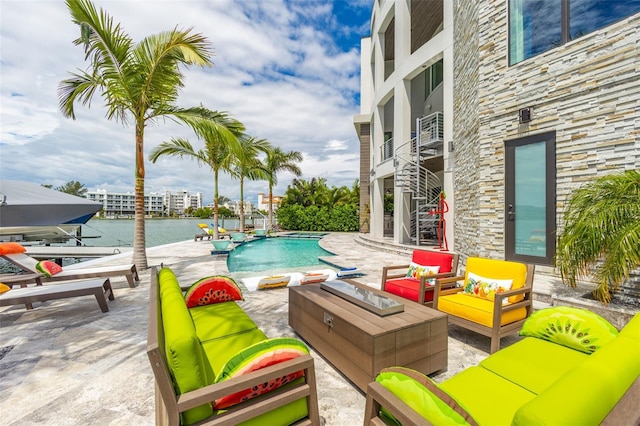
<point x="275" y="253"/>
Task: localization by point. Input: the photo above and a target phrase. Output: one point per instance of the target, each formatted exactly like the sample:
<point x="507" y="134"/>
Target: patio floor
<point x="66" y="363"/>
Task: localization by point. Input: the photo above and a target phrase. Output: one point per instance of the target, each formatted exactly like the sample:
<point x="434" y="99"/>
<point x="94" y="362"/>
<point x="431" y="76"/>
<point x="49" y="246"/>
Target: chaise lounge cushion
<point x="491" y="399"/>
<point x="4" y="288"/>
<point x="527" y="363"/>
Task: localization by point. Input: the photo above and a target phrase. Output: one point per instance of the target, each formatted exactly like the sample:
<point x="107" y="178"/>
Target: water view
<point x="119" y="232"/>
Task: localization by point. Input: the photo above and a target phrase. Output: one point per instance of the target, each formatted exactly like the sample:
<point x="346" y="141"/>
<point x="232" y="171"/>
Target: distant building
<point x="234" y="206"/>
<point x="119" y="204"/>
<point x="177" y="203"/>
<point x="263" y="201"/>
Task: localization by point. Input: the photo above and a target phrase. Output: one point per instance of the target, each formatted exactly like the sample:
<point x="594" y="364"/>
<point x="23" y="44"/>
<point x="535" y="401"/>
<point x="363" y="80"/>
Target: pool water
<point x="275" y="253"/>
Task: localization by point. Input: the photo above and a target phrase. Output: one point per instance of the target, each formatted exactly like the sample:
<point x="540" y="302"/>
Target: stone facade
<point x="587" y="91"/>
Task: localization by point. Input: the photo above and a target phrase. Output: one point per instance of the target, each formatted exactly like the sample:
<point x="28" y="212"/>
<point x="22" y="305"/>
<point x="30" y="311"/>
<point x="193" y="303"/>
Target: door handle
<point x="511" y="215"/>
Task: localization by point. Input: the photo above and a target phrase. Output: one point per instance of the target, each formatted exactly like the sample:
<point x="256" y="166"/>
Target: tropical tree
<point x="221" y="138"/>
<point x="139" y="82"/>
<point x="73" y="188"/>
<point x="601" y="235"/>
<point x="277" y="161"/>
<point x="249" y="167"/>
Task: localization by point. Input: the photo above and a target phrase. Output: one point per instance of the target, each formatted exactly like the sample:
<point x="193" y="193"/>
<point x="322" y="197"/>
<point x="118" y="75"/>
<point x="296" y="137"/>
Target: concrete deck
<point x="67" y="363"/>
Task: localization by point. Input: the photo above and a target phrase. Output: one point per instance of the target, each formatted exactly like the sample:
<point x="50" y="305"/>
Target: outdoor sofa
<point x="205" y="355"/>
<point x="571" y="368"/>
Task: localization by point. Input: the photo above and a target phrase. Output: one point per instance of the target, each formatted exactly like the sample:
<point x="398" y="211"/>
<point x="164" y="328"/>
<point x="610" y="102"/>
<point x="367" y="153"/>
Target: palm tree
<point x="602" y="233"/>
<point x="221" y="144"/>
<point x="277" y="161"/>
<point x="139" y="82"/>
<point x="249" y="166"/>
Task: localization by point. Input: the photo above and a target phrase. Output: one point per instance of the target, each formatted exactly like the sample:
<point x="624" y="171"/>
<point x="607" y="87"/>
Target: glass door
<point x="530" y="207"/>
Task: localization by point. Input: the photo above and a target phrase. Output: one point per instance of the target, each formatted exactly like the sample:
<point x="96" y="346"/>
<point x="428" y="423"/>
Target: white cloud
<point x="278" y="69"/>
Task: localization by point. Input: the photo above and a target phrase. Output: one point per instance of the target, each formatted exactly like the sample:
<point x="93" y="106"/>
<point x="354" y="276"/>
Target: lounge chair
<point x="495" y="297"/>
<point x="100" y="288"/>
<point x="74" y="272"/>
<point x="415" y="281"/>
<point x="207" y="233"/>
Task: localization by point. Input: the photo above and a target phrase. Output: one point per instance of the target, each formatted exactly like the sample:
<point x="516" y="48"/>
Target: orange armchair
<point x="419" y="289"/>
<point x="494" y="300"/>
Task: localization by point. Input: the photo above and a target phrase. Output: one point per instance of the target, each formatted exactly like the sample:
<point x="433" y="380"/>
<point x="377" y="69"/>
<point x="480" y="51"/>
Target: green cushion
<point x="255" y="357"/>
<point x="533" y="363"/>
<point x="632" y="329"/>
<point x="220" y="320"/>
<point x="189" y="366"/>
<point x="575" y="328"/>
<point x="423" y="396"/>
<point x="220" y="350"/>
<point x="586" y="394"/>
<point x="489" y="398"/>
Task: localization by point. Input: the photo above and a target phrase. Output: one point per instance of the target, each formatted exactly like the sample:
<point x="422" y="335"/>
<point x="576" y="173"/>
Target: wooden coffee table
<point x="360" y="343"/>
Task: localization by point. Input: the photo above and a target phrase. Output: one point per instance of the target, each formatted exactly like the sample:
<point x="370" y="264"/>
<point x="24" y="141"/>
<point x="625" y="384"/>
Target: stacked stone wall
<point x="587" y="90"/>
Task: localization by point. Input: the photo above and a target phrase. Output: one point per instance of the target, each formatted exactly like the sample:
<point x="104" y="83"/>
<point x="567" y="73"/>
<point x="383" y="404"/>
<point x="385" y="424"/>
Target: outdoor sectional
<point x="204" y="357"/>
<point x="571" y="368"/>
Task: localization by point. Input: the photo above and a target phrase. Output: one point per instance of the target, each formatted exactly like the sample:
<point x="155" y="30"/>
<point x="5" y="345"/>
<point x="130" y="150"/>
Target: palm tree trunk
<point x="270" y="208"/>
<point x="215" y="204"/>
<point x="139" y="245"/>
<point x="241" y="209"/>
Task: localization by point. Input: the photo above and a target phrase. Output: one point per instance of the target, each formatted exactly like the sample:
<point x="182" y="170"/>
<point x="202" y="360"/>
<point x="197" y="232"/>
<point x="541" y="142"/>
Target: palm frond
<point x="601" y="236"/>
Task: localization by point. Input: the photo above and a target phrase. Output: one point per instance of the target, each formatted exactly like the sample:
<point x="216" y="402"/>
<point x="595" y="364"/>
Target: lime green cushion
<point x="255" y="357"/>
<point x="575" y="328"/>
<point x="534" y="364"/>
<point x="211" y="290"/>
<point x="187" y="361"/>
<point x="220" y="320"/>
<point x="632" y="329"/>
<point x="423" y="396"/>
<point x="48" y="268"/>
<point x="490" y="399"/>
<point x="220" y="350"/>
<point x="586" y="394"/>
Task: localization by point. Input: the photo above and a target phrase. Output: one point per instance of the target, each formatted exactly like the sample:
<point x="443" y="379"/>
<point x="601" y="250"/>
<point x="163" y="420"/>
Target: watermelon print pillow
<point x="210" y="290"/>
<point x="486" y="288"/>
<point x="255" y="357"/>
<point x="48" y="268"/>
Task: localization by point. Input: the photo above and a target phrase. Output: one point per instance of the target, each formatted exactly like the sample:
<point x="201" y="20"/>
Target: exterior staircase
<point x="412" y="178"/>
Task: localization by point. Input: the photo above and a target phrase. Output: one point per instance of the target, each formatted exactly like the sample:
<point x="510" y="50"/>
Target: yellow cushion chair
<point x="494" y="300"/>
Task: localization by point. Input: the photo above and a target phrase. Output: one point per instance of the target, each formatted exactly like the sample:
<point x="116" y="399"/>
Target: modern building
<point x="177" y="203"/>
<point x="234" y="206"/>
<point x="506" y="106"/>
<point x="118" y="204"/>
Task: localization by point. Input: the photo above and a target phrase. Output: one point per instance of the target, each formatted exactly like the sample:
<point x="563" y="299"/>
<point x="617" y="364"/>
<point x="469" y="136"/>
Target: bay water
<point x="119" y="232"/>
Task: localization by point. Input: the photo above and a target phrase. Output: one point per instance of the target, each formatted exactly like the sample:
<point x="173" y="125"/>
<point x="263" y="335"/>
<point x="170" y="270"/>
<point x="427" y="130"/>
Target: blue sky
<point x="288" y="70"/>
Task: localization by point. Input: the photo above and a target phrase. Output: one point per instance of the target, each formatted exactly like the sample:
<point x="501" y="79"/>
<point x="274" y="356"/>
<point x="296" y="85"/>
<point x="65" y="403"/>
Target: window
<point x="536" y="26"/>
